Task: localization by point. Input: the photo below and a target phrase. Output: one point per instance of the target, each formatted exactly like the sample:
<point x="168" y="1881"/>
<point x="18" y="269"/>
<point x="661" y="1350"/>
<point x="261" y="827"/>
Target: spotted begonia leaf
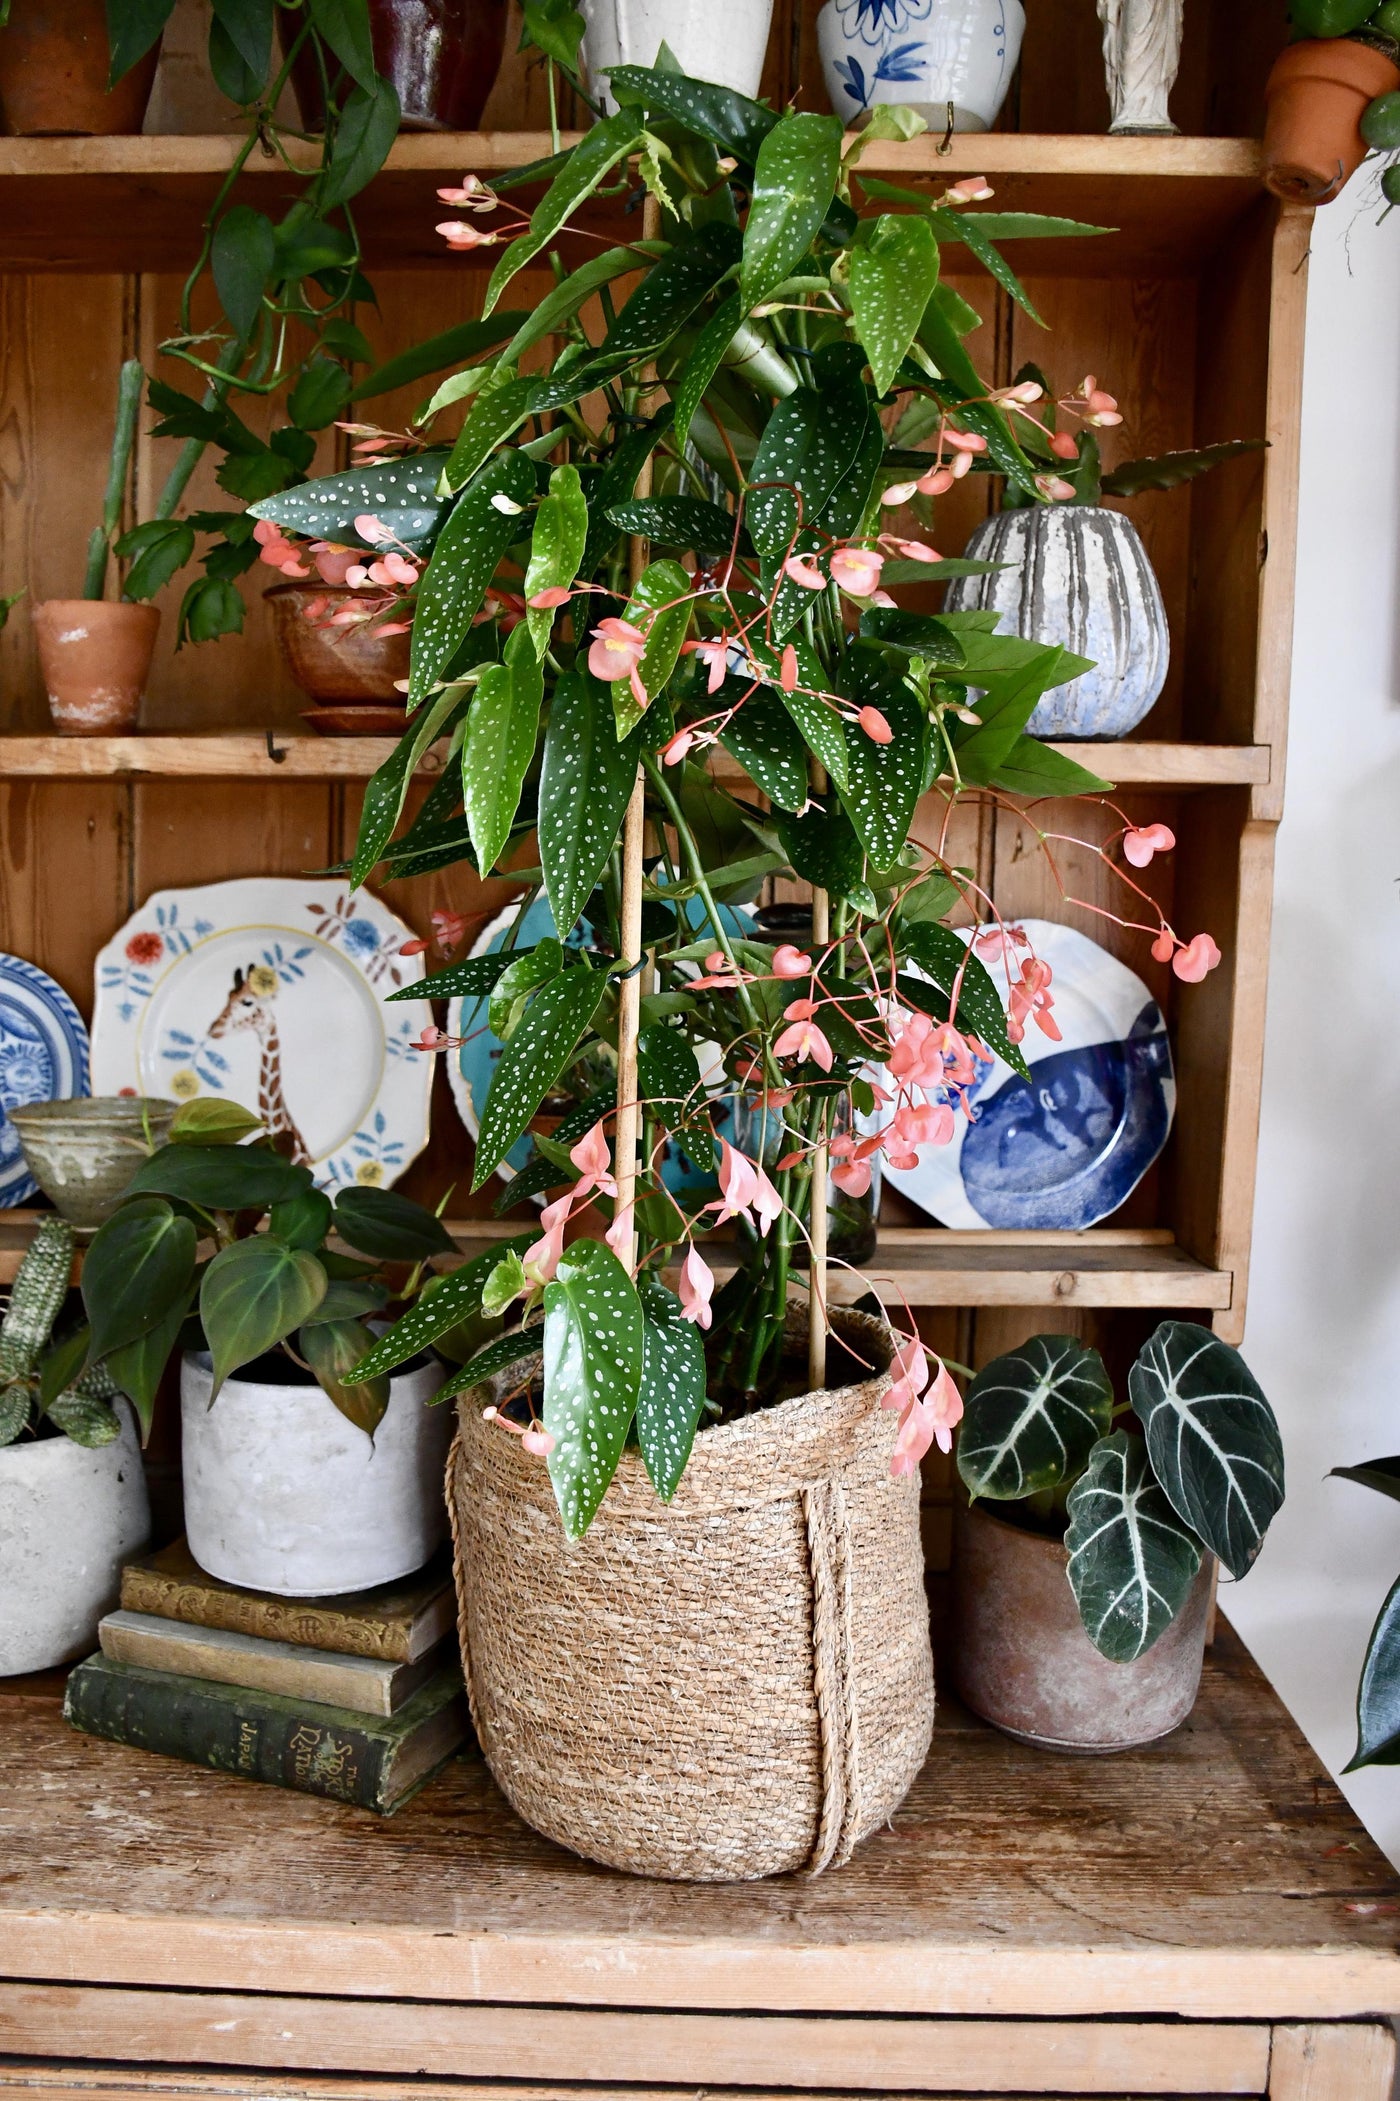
<point x="672" y="1394"/>
<point x="586" y="779"/>
<point x="594" y="1343"/>
<point x="660" y="606"/>
<point x="556" y="549"/>
<point x="795" y="179"/>
<point x="467" y="556"/>
<point x="885" y="779"/>
<point x="533" y="1060"/>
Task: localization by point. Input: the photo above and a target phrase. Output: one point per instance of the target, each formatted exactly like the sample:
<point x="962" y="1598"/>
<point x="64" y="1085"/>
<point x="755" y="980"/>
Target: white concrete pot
<point x="69" y="1518"/>
<point x="927" y="54"/>
<point x="282" y="1494"/>
<point x="719" y="40"/>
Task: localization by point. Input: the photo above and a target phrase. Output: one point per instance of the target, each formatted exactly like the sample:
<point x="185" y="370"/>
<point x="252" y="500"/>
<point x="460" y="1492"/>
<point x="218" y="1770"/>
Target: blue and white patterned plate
<point x="1067" y="1147"/>
<point x="43" y="1058"/>
<point x="271" y="991"/>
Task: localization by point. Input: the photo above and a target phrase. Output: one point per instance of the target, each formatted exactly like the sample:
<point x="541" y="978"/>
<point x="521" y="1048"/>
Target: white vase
<point x="927" y="54"/>
<point x="723" y="41"/>
<point x="282" y="1494"/>
<point x="69" y="1518"/>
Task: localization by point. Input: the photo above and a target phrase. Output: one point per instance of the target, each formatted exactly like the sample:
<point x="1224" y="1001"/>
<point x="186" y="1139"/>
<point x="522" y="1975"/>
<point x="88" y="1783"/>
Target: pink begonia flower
<point x="998" y="941"/>
<point x="675" y="751"/>
<point x="715" y="654"/>
<point x="738" y="1182"/>
<point x="1054" y="488"/>
<point x="619" y="1234"/>
<point x="697" y="1288"/>
<point x="394" y="627"/>
<point x="332" y="562"/>
<point x="432" y="1038"/>
<point x="1164" y="947"/>
<point x="969" y="189"/>
<point x="458" y="234"/>
<point x="1032" y="997"/>
<point x="805" y="572"/>
<point x="932" y="1416"/>
<point x="962" y="466"/>
<point x="1193" y="962"/>
<point x="787" y="674"/>
<point x="937" y="482"/>
<point x="373" y="530"/>
<point x="924" y="1123"/>
<point x="473" y="196"/>
<point x="767" y="1204"/>
<point x="790" y="962"/>
<point x="897" y="493"/>
<point x="852" y="1177"/>
<point x="800" y="1009"/>
<point x="1102" y="408"/>
<point x="1064" y="445"/>
<point x="594" y="1163"/>
<point x="277" y="550"/>
<point x="914" y="1061"/>
<point x="875" y="726"/>
<point x="908" y="1372"/>
<point x="1025" y="392"/>
<point x="540" y="1261"/>
<point x="537" y="1441"/>
<point x="716" y="960"/>
<point x="857" y="570"/>
<point x="913" y="550"/>
<point x="553" y="595"/>
<point x="882" y="598"/>
<point x="616" y="650"/>
<point x="964" y="440"/>
<point x="804" y="1040"/>
<point x="1141" y="842"/>
<point x="449" y="930"/>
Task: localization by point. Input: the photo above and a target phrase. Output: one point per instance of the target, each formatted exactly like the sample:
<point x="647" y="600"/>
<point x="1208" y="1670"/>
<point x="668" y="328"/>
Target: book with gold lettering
<point x="374" y="1762"/>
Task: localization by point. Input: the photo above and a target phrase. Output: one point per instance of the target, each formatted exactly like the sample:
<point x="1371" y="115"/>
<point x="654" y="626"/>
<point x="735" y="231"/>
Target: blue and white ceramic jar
<point x="927" y="54"/>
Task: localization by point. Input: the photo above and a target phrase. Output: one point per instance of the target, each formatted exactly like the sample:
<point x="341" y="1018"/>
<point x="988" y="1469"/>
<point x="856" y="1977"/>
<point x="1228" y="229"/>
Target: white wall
<point x="1324" y="1310"/>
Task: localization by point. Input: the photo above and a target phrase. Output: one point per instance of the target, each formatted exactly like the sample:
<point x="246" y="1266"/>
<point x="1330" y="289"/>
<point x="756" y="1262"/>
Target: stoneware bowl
<point x="931" y="55"/>
<point x="83" y="1153"/>
<point x="334" y="666"/>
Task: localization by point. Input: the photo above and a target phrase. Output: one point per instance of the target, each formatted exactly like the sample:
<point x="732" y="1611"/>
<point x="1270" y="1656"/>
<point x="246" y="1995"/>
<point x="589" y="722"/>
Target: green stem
<point x="192" y="451"/>
<point x="123" y="438"/>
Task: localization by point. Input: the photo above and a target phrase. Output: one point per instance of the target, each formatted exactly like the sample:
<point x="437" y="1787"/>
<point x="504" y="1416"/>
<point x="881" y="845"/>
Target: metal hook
<point x="276" y="756"/>
<point x="946" y="145"/>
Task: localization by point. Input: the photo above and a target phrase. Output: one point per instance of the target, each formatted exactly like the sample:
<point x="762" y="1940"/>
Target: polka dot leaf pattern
<point x="594" y="1345"/>
<point x="533" y="1060"/>
<point x="672" y="1395"/>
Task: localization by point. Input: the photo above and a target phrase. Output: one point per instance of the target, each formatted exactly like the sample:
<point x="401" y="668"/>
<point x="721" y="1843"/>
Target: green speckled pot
<point x="82" y="1153"/>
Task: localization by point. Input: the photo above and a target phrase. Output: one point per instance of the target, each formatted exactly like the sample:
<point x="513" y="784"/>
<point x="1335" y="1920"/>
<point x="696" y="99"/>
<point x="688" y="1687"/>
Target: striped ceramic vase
<point x="1079" y="576"/>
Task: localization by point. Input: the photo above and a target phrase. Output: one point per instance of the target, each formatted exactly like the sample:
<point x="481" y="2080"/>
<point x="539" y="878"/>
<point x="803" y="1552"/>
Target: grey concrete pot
<point x="69" y="1518"/>
<point x="282" y="1494"/>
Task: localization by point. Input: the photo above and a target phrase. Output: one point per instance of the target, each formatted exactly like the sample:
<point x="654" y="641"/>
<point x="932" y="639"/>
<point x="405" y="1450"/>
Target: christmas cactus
<point x="679" y="544"/>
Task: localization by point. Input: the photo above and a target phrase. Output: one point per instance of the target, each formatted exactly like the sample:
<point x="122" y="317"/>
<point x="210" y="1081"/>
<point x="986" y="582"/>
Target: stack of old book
<point x="359" y="1698"/>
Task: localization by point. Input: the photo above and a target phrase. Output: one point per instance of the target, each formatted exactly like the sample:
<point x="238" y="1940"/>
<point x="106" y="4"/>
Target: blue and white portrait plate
<point x="271" y="992"/>
<point x="1065" y="1148"/>
<point x="43" y="1058"/>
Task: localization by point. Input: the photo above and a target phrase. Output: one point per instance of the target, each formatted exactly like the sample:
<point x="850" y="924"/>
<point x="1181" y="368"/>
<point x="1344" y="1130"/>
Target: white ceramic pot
<point x="282" y="1494"/>
<point x="720" y="40"/>
<point x="69" y="1518"/>
<point x="923" y="53"/>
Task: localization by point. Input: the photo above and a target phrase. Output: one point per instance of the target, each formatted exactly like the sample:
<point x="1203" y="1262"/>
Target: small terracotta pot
<point x="1022" y="1660"/>
<point x="1317" y="95"/>
<point x="335" y="665"/>
<point x="54" y="61"/>
<point x="95" y="655"/>
<point x="441" y="55"/>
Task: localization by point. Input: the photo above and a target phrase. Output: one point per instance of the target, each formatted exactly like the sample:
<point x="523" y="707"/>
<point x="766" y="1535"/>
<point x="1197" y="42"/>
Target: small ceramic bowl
<point x="83" y="1153"/>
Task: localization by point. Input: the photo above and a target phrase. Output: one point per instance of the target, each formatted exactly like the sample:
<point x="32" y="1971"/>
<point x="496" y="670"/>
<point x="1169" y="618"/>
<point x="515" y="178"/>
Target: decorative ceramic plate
<point x="271" y="991"/>
<point x="43" y="1058"/>
<point x="471" y="1069"/>
<point x="1065" y="1148"/>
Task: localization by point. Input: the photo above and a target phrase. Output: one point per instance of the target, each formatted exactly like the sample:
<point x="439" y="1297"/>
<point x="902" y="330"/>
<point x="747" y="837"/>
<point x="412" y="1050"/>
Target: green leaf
<point x="528" y="971"/>
<point x="303" y="1221"/>
<point x="402" y="494"/>
<point x="132" y="27"/>
<point x="823" y="730"/>
<point x="727" y="119"/>
<point x="942" y="955"/>
<point x="533" y="1060"/>
<point x="333" y="1348"/>
<point x="1381" y="1474"/>
<point x="218" y="1177"/>
<point x="932" y="899"/>
<point x="586" y="781"/>
<point x="454" y="1299"/>
<point x="591" y="161"/>
<point x="1378" y="1694"/>
<point x="85" y="1418"/>
<point x="671" y="290"/>
<point x="140" y="1262"/>
<point x="660" y="606"/>
<point x="242" y="260"/>
<point x="452" y="346"/>
<point x="369" y="124"/>
<point x="1033" y="768"/>
<point x="506" y="1283"/>
<point x="594" y="1343"/>
<point x="137" y="1368"/>
<point x="554" y="27"/>
<point x="159" y="549"/>
<point x="499" y="746"/>
<point x="1131" y="1563"/>
<point x="474" y="978"/>
<point x="62" y="1365"/>
<point x="677" y="521"/>
<point x="248" y="26"/>
<point x="671" y="1397"/>
<point x="348" y="1298"/>
<point x="344" y="26"/>
<point x="577" y="289"/>
<point x="556" y="548"/>
<point x="319" y="395"/>
<point x="1027" y="226"/>
<point x="893" y="271"/>
<point x="766" y="741"/>
<point x="507" y="1350"/>
<point x="1169" y="469"/>
<point x="1213" y="1439"/>
<point x="795" y="177"/>
<point x="668" y="1077"/>
<point x="920" y="634"/>
<point x="390" y="1227"/>
<point x="387" y="787"/>
<point x="885" y="779"/>
<point x="1032" y="1418"/>
<point x="706" y="357"/>
<point x="1005" y="704"/>
<point x="823" y="848"/>
<point x="255" y="1292"/>
<point x="467" y="555"/>
<point x="616" y="483"/>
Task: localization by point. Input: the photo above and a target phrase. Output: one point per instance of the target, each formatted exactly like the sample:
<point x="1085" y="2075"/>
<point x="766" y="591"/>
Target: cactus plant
<point x="36" y="1374"/>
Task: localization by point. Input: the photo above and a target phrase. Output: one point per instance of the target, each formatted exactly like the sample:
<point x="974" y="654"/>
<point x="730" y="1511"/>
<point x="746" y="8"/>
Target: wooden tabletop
<point x="1219" y="1875"/>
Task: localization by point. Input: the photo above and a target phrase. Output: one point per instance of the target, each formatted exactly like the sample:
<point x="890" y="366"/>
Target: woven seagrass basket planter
<point x="733" y="1685"/>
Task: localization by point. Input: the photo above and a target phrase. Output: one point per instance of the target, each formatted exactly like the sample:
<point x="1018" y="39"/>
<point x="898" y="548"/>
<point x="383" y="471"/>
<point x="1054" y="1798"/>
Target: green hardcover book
<point x="373" y="1762"/>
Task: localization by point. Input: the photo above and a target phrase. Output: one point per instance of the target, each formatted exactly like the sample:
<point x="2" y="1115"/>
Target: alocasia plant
<point x="734" y="411"/>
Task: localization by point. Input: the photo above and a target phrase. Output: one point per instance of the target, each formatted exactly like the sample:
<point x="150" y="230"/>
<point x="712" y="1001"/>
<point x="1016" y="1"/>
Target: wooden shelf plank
<point x="273" y="755"/>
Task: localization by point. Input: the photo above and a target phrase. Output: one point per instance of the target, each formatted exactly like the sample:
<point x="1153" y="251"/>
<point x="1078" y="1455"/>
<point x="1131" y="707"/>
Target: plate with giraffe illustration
<point x="271" y="992"/>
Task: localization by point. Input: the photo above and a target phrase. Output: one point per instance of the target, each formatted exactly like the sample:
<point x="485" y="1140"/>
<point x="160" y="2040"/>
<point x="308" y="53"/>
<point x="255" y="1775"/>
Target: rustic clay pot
<point x="335" y="666"/>
<point x="1022" y="1660"/>
<point x="83" y="1152"/>
<point x="95" y="655"/>
<point x="54" y="62"/>
<point x="1317" y="94"/>
<point x="441" y="55"/>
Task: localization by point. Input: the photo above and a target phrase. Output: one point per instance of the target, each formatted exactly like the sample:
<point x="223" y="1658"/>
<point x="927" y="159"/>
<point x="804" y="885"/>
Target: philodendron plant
<point x="220" y="1244"/>
<point x="772" y="410"/>
<point x="1191" y="1462"/>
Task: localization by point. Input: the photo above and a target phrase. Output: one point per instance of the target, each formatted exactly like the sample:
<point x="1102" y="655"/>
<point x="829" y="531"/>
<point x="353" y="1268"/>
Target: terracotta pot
<point x="54" y="62"/>
<point x="441" y="55"/>
<point x="336" y="665"/>
<point x="1317" y="94"/>
<point x="1022" y="1660"/>
<point x="95" y="655"/>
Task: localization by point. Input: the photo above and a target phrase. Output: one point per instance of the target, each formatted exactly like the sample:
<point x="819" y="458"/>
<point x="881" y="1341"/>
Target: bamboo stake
<point x="816" y="1291"/>
<point x="630" y="994"/>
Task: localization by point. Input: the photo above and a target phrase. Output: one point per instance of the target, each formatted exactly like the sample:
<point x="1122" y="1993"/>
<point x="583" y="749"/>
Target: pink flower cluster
<point x="926" y="1412"/>
<point x="392" y="574"/>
